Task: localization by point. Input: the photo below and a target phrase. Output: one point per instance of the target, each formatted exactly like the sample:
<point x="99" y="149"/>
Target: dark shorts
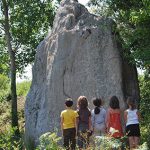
<point x="69" y="138"/>
<point x="133" y="130"/>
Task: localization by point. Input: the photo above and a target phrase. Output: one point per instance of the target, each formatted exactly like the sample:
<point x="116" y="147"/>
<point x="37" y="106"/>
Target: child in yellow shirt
<point x="69" y="119"/>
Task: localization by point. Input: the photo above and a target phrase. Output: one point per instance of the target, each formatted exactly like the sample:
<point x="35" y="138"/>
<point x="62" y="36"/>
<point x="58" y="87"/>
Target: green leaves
<point x="49" y="141"/>
<point x="144" y="82"/>
<point x="23" y="88"/>
<point x="4" y="87"/>
<point x="133" y="19"/>
<point x="8" y="141"/>
<point x="30" y="21"/>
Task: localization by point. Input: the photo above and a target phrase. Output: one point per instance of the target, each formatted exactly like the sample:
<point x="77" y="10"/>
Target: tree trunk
<point x="12" y="68"/>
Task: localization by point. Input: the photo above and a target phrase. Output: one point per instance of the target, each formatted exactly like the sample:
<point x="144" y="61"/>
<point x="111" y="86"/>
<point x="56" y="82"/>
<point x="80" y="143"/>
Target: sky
<point x="83" y="1"/>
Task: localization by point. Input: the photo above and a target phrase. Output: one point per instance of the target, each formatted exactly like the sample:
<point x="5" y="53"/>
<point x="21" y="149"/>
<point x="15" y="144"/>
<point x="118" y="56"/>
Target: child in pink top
<point x="113" y="119"/>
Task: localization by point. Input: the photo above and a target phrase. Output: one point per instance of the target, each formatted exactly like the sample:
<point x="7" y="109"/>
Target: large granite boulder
<point x="80" y="56"/>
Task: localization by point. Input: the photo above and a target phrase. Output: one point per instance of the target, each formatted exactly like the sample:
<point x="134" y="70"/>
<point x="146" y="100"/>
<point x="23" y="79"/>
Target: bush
<point x="23" y="88"/>
<point x="7" y="139"/>
<point x="107" y="143"/>
<point x="9" y="142"/>
<point x="144" y="82"/>
<point x="4" y="87"/>
<point x="49" y="141"/>
<point x="5" y="115"/>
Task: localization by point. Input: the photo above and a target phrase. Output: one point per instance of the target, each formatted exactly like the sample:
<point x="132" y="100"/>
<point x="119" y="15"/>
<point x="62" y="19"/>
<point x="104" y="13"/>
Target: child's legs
<point x="69" y="138"/>
<point x="82" y="135"/>
<point x="131" y="142"/>
<point x="99" y="129"/>
<point x="66" y="138"/>
<point x="103" y="129"/>
<point x="81" y="140"/>
<point x="133" y="132"/>
<point x="72" y="139"/>
<point x="136" y="141"/>
<point x="66" y="143"/>
<point x="97" y="132"/>
<point x="137" y="135"/>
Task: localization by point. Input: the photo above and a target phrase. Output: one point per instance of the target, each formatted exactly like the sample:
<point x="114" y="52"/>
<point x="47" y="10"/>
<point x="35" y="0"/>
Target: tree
<point x="23" y="24"/>
<point x="144" y="82"/>
<point x="30" y="21"/>
<point x="132" y="19"/>
<point x="12" y="67"/>
<point x="3" y="51"/>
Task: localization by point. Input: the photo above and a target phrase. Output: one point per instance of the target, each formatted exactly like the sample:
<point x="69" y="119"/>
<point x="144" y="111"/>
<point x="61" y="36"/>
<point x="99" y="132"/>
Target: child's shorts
<point x="133" y="130"/>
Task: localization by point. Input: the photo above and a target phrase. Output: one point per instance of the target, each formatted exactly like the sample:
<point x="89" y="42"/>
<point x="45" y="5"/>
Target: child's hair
<point x="97" y="103"/>
<point x="83" y="110"/>
<point x="131" y="102"/>
<point x="68" y="102"/>
<point x="82" y="102"/>
<point x="114" y="102"/>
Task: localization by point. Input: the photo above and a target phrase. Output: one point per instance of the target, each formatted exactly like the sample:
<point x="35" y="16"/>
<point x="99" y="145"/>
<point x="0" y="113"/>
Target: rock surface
<point x="80" y="56"/>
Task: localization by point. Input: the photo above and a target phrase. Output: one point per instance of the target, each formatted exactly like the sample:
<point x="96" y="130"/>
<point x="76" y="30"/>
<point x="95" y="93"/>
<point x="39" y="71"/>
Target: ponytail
<point x="97" y="103"/>
<point x="96" y="110"/>
<point x="131" y="102"/>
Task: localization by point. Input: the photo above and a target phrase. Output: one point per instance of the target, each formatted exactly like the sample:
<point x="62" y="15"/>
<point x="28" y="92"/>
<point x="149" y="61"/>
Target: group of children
<point x="81" y="123"/>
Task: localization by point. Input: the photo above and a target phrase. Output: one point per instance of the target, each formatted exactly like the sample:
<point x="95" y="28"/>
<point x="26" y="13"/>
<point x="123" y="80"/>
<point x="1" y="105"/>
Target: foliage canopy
<point x="133" y="19"/>
<point x="29" y="22"/>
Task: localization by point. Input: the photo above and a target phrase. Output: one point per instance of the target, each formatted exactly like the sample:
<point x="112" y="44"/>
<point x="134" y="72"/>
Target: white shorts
<point x="99" y="129"/>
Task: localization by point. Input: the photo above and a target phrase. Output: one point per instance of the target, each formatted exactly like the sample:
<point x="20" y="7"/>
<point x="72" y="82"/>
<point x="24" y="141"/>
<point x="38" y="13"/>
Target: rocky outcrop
<point x="79" y="57"/>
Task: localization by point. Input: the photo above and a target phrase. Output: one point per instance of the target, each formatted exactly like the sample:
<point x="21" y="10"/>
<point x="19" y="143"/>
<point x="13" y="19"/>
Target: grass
<point x="7" y="139"/>
<point x="23" y="88"/>
<point x="5" y="114"/>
